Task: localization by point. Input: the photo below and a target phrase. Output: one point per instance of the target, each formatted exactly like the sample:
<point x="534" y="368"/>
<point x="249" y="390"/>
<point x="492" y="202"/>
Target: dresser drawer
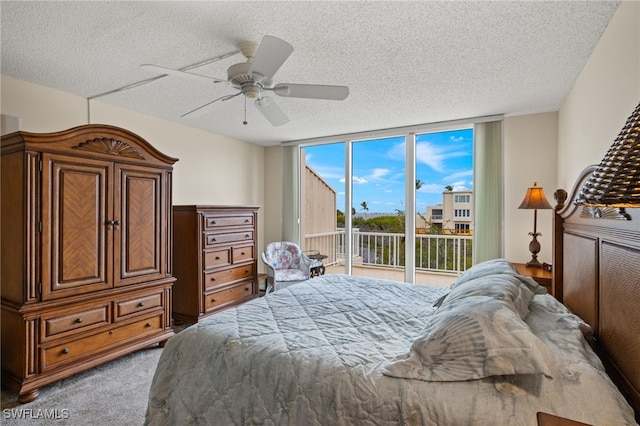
<point x="226" y="276"/>
<point x="227" y="296"/>
<point x="213" y="222"/>
<point x="217" y="258"/>
<point x="241" y="254"/>
<point x="83" y="319"/>
<point x="137" y="305"/>
<point x="213" y="239"/>
<point x="90" y="345"/>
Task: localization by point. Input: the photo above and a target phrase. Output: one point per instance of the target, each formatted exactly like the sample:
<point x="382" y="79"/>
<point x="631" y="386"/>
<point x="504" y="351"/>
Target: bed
<point x="494" y="349"/>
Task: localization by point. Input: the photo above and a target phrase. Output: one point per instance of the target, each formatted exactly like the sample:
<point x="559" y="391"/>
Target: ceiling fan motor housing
<point x="238" y="74"/>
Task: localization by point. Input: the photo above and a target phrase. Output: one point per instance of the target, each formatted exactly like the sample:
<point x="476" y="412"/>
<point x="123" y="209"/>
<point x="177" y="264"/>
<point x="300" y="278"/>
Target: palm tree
<point x="419" y="184"/>
<point x="448" y="188"/>
<point x="365" y="207"/>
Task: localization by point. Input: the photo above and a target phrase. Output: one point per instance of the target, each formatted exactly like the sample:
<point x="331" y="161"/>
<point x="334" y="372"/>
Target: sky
<point x="379" y="169"/>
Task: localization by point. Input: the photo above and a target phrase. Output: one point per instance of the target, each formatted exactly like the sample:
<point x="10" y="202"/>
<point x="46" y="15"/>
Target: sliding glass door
<point x="396" y="207"/>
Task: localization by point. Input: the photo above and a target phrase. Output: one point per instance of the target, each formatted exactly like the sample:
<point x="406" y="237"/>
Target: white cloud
<point x="458" y="175"/>
<point x="356" y="179"/>
<point x="431" y="188"/>
<point x="460" y="185"/>
<point x="378" y="173"/>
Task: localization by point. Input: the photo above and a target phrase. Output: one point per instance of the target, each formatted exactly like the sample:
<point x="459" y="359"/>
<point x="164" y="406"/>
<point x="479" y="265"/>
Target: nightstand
<point x="542" y="277"/>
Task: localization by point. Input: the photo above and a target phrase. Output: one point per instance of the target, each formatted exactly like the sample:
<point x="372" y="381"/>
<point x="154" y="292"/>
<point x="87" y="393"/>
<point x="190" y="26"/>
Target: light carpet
<point x="113" y="394"/>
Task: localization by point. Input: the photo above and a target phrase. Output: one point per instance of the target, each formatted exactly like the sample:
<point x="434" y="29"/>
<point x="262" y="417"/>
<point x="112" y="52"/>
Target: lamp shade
<point x="616" y="181"/>
<point x="535" y="199"/>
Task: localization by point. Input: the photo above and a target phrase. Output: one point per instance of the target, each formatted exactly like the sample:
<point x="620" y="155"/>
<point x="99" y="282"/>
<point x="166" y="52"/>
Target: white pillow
<point x="507" y="287"/>
<point x="488" y="267"/>
<point x="471" y="339"/>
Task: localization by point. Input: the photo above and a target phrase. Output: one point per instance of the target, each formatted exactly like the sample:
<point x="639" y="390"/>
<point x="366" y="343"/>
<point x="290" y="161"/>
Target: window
<point x="424" y="176"/>
<point x="462" y="228"/>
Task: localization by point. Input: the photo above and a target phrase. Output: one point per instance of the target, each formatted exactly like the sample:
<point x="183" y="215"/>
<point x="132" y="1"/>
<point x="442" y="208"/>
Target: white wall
<point x="602" y="98"/>
<point x="554" y="148"/>
<point x="212" y="169"/>
<point x="529" y="156"/>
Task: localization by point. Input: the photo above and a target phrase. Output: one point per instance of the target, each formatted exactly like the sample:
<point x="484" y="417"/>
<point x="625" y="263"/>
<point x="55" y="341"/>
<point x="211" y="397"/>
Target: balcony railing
<point x="434" y="253"/>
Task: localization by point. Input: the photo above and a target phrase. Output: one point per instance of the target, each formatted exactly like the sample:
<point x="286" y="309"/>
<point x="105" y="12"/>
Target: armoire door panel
<point x="139" y="233"/>
<point x="77" y="244"/>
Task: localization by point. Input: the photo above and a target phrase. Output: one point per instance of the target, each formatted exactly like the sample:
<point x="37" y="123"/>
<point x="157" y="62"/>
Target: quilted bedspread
<point x="314" y="354"/>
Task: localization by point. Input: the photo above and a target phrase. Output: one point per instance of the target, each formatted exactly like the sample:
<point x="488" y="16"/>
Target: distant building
<point x="455" y="214"/>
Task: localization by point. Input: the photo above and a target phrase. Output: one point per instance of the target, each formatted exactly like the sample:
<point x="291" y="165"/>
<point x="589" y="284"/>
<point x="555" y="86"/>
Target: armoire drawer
<point x="213" y="222"/>
<point x="234" y="237"/>
<point x="71" y="351"/>
<point x="137" y="305"/>
<point x="228" y="295"/>
<point x="69" y="323"/>
<point x="225" y="276"/>
<point x="216" y="258"/>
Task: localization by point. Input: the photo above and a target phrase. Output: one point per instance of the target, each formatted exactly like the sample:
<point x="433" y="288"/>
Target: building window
<point x="460" y="198"/>
<point x="462" y="228"/>
<point x="462" y="213"/>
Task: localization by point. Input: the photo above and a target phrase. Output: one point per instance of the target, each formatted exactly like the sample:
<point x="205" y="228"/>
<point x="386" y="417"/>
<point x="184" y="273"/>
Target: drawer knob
<point x="242" y="253"/>
<point x="141" y="304"/>
<point x="217" y="257"/>
<point x="247" y="236"/>
<point x="65" y="351"/>
<point x="213" y="222"/>
<point x="246" y="271"/>
<point x="213" y="278"/>
<point x="213" y="239"/>
<point x="213" y="300"/>
<point x="148" y="325"/>
<point x="246" y="289"/>
<point x="79" y="320"/>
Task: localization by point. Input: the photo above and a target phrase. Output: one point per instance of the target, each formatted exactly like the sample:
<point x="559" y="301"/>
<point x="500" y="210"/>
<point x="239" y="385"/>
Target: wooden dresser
<point x="215" y="259"/>
<point x="86" y="252"/>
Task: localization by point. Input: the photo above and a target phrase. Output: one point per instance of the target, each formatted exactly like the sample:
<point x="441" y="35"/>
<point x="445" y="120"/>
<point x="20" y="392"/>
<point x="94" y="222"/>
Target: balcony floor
<point x="424" y="278"/>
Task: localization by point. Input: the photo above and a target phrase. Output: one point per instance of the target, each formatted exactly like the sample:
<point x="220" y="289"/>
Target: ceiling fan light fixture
<point x="251" y="91"/>
<point x="264" y="101"/>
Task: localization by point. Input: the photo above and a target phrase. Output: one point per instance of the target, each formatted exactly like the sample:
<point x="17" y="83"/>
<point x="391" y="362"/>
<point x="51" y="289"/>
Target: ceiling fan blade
<point x="271" y="111"/>
<point x="222" y="98"/>
<point x="270" y="56"/>
<point x="312" y="91"/>
<point x="169" y="71"/>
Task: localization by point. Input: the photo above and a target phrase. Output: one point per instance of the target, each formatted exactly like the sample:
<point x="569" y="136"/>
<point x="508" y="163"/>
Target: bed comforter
<point x="317" y="353"/>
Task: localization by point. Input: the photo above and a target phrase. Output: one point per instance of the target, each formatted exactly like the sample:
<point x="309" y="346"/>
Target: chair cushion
<point x="290" y="275"/>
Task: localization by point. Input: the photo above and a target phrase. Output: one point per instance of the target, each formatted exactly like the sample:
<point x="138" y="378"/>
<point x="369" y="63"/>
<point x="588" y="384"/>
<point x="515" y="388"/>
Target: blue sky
<point x="379" y="169"/>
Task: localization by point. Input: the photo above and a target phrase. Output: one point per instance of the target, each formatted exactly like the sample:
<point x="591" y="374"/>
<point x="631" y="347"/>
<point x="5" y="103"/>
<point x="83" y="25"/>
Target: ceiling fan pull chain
<point x="245" y="111"/>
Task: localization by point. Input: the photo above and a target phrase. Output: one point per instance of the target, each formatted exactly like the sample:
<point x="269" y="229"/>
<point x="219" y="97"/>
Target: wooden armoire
<point x="86" y="239"/>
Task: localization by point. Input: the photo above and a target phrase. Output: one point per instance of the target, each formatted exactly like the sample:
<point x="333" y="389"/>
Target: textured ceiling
<point x="405" y="63"/>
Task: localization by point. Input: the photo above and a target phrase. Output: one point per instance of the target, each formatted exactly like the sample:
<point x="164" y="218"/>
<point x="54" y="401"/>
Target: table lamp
<point x="535" y="199"/>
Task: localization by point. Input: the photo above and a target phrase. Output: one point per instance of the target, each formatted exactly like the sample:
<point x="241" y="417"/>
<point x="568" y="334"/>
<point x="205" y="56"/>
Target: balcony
<point x="439" y="258"/>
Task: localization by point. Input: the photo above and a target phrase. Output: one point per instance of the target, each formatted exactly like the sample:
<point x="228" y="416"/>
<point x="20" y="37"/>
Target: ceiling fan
<point x="254" y="77"/>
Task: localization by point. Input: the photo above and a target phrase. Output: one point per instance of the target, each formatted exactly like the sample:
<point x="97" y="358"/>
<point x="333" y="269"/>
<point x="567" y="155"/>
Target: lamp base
<point x="534" y="263"/>
<point x="534" y="248"/>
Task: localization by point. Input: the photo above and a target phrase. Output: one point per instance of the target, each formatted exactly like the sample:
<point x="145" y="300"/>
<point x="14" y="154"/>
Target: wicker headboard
<point x="597" y="275"/>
